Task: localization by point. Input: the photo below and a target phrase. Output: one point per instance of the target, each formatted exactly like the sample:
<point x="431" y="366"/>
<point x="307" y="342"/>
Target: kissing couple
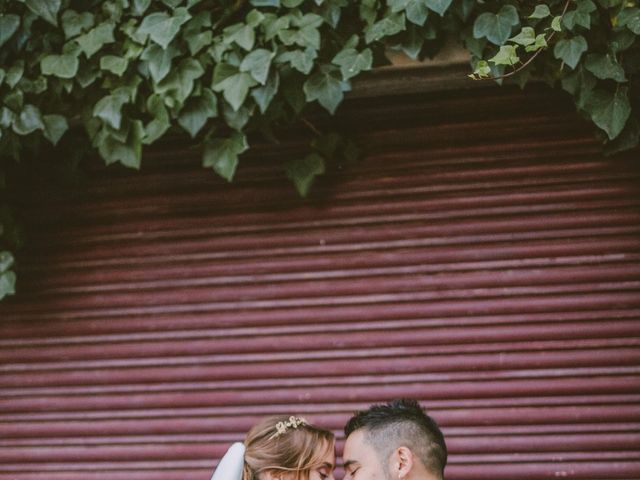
<point x="392" y="441"/>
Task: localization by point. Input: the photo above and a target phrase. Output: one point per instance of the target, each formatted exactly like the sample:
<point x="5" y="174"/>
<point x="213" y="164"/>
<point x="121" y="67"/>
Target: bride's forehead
<point x="329" y="456"/>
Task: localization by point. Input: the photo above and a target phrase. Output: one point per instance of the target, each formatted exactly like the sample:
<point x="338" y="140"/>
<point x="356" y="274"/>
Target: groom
<point x="394" y="441"/>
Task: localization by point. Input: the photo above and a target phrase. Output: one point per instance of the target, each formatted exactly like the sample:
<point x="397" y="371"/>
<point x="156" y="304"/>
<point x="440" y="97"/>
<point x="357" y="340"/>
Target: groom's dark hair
<point x="402" y="423"/>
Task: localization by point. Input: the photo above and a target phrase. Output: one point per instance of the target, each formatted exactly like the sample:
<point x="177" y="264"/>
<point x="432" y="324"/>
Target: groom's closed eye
<point x="351" y="467"/>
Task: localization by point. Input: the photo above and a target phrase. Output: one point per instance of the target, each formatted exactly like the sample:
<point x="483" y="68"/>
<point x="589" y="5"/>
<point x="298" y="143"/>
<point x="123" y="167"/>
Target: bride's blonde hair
<point x="297" y="449"/>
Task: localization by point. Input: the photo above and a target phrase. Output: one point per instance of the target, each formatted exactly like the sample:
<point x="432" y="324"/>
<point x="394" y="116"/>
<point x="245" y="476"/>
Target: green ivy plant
<point x="121" y="74"/>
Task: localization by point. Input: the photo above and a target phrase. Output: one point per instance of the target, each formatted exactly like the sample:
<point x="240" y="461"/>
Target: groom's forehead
<point x="357" y="437"/>
<point x="358" y="452"/>
<point x="356" y="445"/>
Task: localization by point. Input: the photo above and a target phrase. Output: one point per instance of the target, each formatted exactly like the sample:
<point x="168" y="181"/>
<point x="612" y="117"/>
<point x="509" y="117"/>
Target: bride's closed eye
<point x="325" y="473"/>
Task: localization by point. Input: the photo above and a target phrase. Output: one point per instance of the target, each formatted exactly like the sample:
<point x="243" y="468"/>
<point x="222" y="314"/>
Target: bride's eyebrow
<point x="328" y="465"/>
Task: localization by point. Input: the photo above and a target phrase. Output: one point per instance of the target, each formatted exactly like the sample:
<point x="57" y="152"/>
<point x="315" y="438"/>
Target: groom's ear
<point x="402" y="463"/>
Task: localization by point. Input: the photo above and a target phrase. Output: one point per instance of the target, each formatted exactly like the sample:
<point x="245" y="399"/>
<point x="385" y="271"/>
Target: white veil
<point x="232" y="464"/>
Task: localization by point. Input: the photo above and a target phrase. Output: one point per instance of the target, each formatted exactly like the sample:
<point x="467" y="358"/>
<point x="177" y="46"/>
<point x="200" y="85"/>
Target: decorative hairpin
<point x="282" y="427"/>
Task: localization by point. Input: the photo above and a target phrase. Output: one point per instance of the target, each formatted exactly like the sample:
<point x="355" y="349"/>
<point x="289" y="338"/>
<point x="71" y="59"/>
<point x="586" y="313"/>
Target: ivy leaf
<point x="326" y="89"/>
<point x="74" y="23"/>
<point x="541" y="11"/>
<point x="197" y="41"/>
<point x="352" y="62"/>
<point x="526" y="37"/>
<point x="257" y="64"/>
<point x="127" y="151"/>
<point x="301" y="60"/>
<point x="109" y="109"/>
<point x="175" y="3"/>
<point x="539" y="42"/>
<point x="96" y="38"/>
<point x="87" y="74"/>
<point x="265" y="3"/>
<point x="507" y="55"/>
<point x="308" y="36"/>
<point x="308" y="20"/>
<point x="36" y="86"/>
<point x="264" y="95"/>
<point x="8" y="26"/>
<point x="580" y="83"/>
<point x="46" y="9"/>
<point x="6" y="117"/>
<point x="197" y="111"/>
<point x="54" y="127"/>
<point x="61" y="66"/>
<point x="114" y="64"/>
<point x="622" y="40"/>
<point x="438" y="6"/>
<point x="6" y="259"/>
<point x="570" y="50"/>
<point x="327" y="145"/>
<point x="179" y="83"/>
<point x="241" y="34"/>
<point x="413" y="42"/>
<point x="630" y="18"/>
<point x="254" y="18"/>
<point x="14" y="100"/>
<point x="388" y="26"/>
<point x="496" y="27"/>
<point x="29" y="120"/>
<point x="482" y="70"/>
<point x="627" y="139"/>
<point x="237" y="119"/>
<point x="604" y="66"/>
<point x="159" y="60"/>
<point x="415" y="10"/>
<point x="274" y="24"/>
<point x="233" y="84"/>
<point x="7" y="284"/>
<point x="161" y="27"/>
<point x="556" y="24"/>
<point x="236" y="90"/>
<point x="160" y="123"/>
<point x="610" y="111"/>
<point x="221" y="154"/>
<point x="14" y="74"/>
<point x="580" y="16"/>
<point x="302" y="172"/>
<point x="140" y="6"/>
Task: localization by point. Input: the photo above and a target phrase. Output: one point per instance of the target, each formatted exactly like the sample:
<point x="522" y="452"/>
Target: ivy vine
<point x="120" y="74"/>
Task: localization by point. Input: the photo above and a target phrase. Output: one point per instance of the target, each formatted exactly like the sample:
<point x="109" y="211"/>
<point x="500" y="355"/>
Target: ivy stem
<point x="228" y="15"/>
<point x="533" y="57"/>
<point x="311" y="126"/>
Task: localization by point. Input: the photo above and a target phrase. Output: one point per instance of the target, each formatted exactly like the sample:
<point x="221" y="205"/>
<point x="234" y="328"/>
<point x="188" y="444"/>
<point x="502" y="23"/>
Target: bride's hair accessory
<point x="282" y="427"/>
<point x="232" y="464"/>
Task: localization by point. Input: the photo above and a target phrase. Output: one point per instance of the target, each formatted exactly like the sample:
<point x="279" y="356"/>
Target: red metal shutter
<point x="484" y="258"/>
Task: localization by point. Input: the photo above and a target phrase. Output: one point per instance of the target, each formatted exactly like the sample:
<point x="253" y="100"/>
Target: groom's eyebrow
<point x="348" y="464"/>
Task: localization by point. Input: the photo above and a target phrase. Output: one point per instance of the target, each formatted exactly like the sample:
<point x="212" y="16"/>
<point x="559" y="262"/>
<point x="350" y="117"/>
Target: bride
<point x="280" y="448"/>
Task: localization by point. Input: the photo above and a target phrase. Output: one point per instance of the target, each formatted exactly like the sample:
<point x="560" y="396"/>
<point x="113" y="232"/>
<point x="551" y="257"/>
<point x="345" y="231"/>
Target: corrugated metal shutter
<point x="485" y="259"/>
